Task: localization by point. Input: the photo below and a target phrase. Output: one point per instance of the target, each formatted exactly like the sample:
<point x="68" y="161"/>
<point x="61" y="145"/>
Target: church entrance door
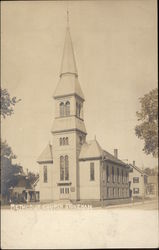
<point x="64" y="193"/>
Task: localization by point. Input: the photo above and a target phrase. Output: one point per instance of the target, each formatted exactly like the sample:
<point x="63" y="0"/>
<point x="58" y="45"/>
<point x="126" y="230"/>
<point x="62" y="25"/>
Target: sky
<point x="115" y="45"/>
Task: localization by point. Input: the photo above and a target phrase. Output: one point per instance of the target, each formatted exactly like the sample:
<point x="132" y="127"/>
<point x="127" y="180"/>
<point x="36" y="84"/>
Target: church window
<point x="66" y="190"/>
<point x="60" y="141"/>
<point x="79" y="110"/>
<point x="117" y="174"/>
<point x="66" y="168"/>
<point x="126" y="177"/>
<point x="61" y="168"/>
<point x="66" y="140"/>
<point x="80" y="140"/>
<point x="92" y="171"/>
<point x="113" y="192"/>
<point x="67" y="108"/>
<point x="62" y="190"/>
<point x="45" y="173"/>
<point x="122" y="176"/>
<point x="112" y="174"/>
<point x="118" y="192"/>
<point x="61" y="109"/>
<point x="107" y="173"/>
<point x="76" y="109"/>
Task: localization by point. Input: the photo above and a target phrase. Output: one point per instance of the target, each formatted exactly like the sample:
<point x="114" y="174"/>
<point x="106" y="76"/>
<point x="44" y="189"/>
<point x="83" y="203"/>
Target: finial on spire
<point x="67" y="18"/>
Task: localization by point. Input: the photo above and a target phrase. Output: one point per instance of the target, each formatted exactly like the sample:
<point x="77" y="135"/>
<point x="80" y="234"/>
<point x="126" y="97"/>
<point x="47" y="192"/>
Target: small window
<point x="112" y="174"/>
<point x="122" y="174"/>
<point x="61" y="190"/>
<point x="62" y="109"/>
<point x="118" y="192"/>
<point x="45" y="173"/>
<point x="113" y="192"/>
<point x="136" y="190"/>
<point x="107" y="191"/>
<point x="67" y="108"/>
<point x="135" y="179"/>
<point x="66" y="190"/>
<point x="60" y="141"/>
<point x="107" y="173"/>
<point x="61" y="168"/>
<point x="66" y="141"/>
<point x="66" y="168"/>
<point x="118" y="175"/>
<point x="92" y="171"/>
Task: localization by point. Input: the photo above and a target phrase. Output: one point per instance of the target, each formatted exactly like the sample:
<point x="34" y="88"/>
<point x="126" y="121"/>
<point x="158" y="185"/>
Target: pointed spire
<point x="68" y="60"/>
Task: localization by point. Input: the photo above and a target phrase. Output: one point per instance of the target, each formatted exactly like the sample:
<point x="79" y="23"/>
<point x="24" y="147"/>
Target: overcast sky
<point x="115" y="44"/>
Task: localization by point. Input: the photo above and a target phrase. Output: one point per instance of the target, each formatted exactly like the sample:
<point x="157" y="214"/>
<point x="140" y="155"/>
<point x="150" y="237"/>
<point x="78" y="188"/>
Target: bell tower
<point x="69" y="132"/>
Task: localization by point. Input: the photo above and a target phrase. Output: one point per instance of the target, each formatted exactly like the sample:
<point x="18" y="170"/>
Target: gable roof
<point x="138" y="169"/>
<point x="46" y="155"/>
<point x="92" y="149"/>
<point x="111" y="157"/>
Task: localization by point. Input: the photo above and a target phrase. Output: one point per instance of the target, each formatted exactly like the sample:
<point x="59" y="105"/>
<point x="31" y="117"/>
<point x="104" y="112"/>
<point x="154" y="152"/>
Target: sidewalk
<point x="132" y="204"/>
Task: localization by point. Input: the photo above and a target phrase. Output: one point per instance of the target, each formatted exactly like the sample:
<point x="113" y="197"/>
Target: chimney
<point x="133" y="163"/>
<point x="116" y="153"/>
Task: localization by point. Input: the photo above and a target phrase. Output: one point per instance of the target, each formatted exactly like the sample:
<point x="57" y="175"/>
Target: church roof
<point x="92" y="149"/>
<point x="68" y="85"/>
<point x="68" y="60"/>
<point x="46" y="155"/>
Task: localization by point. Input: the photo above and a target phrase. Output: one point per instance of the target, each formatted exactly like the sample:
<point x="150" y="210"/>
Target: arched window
<point x="61" y="168"/>
<point x="61" y="109"/>
<point x="79" y="110"/>
<point x="45" y="173"/>
<point x="66" y="168"/>
<point x="60" y="141"/>
<point x="76" y="109"/>
<point x="67" y="108"/>
<point x="66" y="140"/>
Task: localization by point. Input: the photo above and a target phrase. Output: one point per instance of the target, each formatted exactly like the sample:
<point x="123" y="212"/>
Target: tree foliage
<point x="147" y="130"/>
<point x="7" y="103"/>
<point x="6" y="150"/>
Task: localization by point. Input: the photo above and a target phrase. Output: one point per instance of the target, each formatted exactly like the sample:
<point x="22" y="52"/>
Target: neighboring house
<point x="73" y="168"/>
<point x="138" y="181"/>
<point x="23" y="190"/>
<point x="152" y="185"/>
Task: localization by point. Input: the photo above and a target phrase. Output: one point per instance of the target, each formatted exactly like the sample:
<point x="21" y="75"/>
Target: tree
<point x="7" y="169"/>
<point x="7" y="103"/>
<point x="6" y="150"/>
<point x="147" y="130"/>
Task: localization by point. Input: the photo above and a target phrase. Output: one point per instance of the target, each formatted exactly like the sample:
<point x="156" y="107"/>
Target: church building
<point x="73" y="168"/>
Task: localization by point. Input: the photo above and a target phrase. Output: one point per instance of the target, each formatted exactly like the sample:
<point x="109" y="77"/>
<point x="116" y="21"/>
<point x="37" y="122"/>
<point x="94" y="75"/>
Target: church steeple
<point x="68" y="83"/>
<point x="68" y="60"/>
<point x="68" y="64"/>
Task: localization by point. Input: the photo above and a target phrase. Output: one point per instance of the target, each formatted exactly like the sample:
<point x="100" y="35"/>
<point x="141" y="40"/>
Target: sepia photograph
<point x="79" y="124"/>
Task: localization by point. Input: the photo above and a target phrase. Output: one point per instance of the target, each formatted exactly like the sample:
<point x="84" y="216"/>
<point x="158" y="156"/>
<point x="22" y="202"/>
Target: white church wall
<point x="45" y="187"/>
<point x="89" y="190"/>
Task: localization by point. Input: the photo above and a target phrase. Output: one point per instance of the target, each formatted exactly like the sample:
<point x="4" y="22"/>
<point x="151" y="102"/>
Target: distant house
<point x="138" y="181"/>
<point x="23" y="190"/>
